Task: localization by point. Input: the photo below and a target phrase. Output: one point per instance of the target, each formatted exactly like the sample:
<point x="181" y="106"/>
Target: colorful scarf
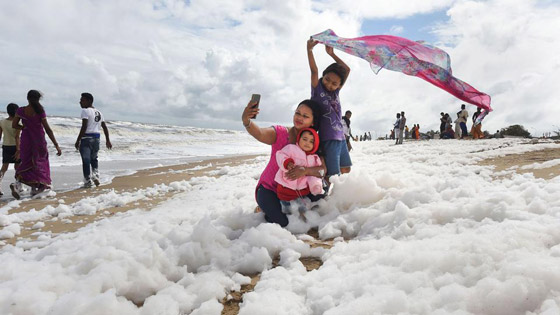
<point x="412" y="58"/>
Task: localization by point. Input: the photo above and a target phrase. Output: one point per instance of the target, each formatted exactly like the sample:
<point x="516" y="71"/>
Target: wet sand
<point x="519" y="160"/>
<point x="130" y="183"/>
<point x="168" y="174"/>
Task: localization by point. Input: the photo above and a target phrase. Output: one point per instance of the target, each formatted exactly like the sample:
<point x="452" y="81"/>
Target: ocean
<point x="137" y="146"/>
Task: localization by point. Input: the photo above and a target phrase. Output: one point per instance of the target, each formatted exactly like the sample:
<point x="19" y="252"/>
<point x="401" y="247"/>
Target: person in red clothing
<point x="293" y="193"/>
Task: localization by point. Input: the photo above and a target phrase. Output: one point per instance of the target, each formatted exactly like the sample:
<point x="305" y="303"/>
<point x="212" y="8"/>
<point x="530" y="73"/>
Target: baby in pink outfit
<point x="292" y="193"/>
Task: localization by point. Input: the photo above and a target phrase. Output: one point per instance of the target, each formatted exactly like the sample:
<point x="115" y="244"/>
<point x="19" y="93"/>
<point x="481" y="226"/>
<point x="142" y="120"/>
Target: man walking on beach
<point x="463" y="116"/>
<point x="88" y="139"/>
<point x="346" y="128"/>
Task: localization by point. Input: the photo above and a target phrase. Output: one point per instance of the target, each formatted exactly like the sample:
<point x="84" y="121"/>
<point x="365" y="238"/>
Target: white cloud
<point x="384" y="9"/>
<point x="510" y="53"/>
<point x="396" y="30"/>
<point x="504" y="48"/>
<point x="197" y="62"/>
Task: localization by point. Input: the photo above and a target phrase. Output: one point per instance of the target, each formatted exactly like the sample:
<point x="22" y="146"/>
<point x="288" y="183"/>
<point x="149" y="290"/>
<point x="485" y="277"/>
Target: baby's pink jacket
<point x="292" y="151"/>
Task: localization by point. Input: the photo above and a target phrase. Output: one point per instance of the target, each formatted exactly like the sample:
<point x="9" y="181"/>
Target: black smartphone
<point x="255" y="99"/>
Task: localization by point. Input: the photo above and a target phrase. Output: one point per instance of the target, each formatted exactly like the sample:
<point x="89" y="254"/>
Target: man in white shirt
<point x="346" y="128"/>
<point x="88" y="139"/>
<point x="462" y="120"/>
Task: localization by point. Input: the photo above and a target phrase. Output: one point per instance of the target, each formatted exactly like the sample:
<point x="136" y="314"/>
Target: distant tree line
<point x="515" y="130"/>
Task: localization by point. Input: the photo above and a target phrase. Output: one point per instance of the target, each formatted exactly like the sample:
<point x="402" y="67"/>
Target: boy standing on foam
<point x="325" y="91"/>
<point x="88" y="139"/>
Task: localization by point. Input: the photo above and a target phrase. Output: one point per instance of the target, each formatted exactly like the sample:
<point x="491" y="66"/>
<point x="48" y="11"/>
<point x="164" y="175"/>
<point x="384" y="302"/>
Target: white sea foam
<point x="420" y="229"/>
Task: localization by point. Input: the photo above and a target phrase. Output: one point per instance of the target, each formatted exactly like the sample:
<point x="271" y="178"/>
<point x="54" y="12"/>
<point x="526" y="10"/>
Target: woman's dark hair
<point x="316" y="110"/>
<point x="33" y="96"/>
<point x="11" y="109"/>
<point x="337" y="69"/>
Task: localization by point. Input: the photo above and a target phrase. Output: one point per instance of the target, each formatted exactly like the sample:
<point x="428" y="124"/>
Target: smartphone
<point x="255" y="98"/>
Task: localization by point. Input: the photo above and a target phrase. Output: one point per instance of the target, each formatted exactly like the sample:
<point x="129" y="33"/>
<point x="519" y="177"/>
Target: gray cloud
<point x="197" y="63"/>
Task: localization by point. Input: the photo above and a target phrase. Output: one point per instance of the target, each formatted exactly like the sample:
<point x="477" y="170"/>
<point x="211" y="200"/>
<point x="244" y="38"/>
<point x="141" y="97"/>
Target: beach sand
<point x="141" y="179"/>
<point x="168" y="174"/>
<point x="516" y="161"/>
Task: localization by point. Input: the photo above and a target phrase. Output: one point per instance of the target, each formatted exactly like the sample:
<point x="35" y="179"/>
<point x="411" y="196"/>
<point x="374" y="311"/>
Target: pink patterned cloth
<point x="409" y="57"/>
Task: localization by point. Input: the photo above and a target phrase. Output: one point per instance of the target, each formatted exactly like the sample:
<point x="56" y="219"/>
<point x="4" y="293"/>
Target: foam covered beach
<point x="428" y="227"/>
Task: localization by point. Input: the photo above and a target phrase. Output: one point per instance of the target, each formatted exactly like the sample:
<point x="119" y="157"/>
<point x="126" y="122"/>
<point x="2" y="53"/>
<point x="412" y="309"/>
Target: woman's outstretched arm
<point x="264" y="135"/>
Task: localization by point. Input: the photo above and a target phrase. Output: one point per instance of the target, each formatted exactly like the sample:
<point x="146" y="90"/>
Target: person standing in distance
<point x="346" y="127"/>
<point x="402" y="124"/>
<point x="396" y="127"/>
<point x="463" y="116"/>
<point x="88" y="139"/>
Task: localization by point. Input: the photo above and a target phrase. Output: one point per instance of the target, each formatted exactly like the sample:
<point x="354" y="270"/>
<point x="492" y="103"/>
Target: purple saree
<point x="34" y="169"/>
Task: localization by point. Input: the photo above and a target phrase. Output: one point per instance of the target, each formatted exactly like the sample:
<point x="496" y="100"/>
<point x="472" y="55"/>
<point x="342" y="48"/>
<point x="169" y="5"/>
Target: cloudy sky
<point x="197" y="62"/>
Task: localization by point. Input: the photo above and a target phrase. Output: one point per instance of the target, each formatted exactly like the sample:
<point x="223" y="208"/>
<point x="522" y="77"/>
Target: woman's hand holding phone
<point x="251" y="110"/>
<point x="255" y="100"/>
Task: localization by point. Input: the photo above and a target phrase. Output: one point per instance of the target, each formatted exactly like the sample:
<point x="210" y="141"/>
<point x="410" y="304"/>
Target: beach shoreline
<point x="164" y="175"/>
<point x="139" y="180"/>
<point x="192" y="226"/>
<point x="69" y="177"/>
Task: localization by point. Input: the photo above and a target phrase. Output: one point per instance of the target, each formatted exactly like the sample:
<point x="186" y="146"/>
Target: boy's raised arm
<point x="312" y="65"/>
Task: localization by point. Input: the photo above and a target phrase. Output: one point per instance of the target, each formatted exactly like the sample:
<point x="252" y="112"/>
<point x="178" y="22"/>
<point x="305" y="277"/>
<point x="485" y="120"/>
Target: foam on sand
<point x="421" y="228"/>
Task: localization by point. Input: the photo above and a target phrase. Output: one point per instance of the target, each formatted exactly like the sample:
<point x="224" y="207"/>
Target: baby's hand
<point x="290" y="166"/>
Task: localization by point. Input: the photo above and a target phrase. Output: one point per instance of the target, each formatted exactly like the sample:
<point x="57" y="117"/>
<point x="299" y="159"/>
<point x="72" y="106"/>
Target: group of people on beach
<point x="24" y="144"/>
<point x="400" y="130"/>
<point x="461" y="131"/>
<point x="306" y="155"/>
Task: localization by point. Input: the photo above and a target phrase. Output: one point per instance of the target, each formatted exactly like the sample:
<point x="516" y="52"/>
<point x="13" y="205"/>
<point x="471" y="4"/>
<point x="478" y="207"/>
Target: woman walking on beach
<point x="34" y="169"/>
<point x="307" y="115"/>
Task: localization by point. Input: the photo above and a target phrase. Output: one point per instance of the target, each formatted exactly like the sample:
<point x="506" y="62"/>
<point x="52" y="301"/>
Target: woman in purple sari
<point x="34" y="169"/>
